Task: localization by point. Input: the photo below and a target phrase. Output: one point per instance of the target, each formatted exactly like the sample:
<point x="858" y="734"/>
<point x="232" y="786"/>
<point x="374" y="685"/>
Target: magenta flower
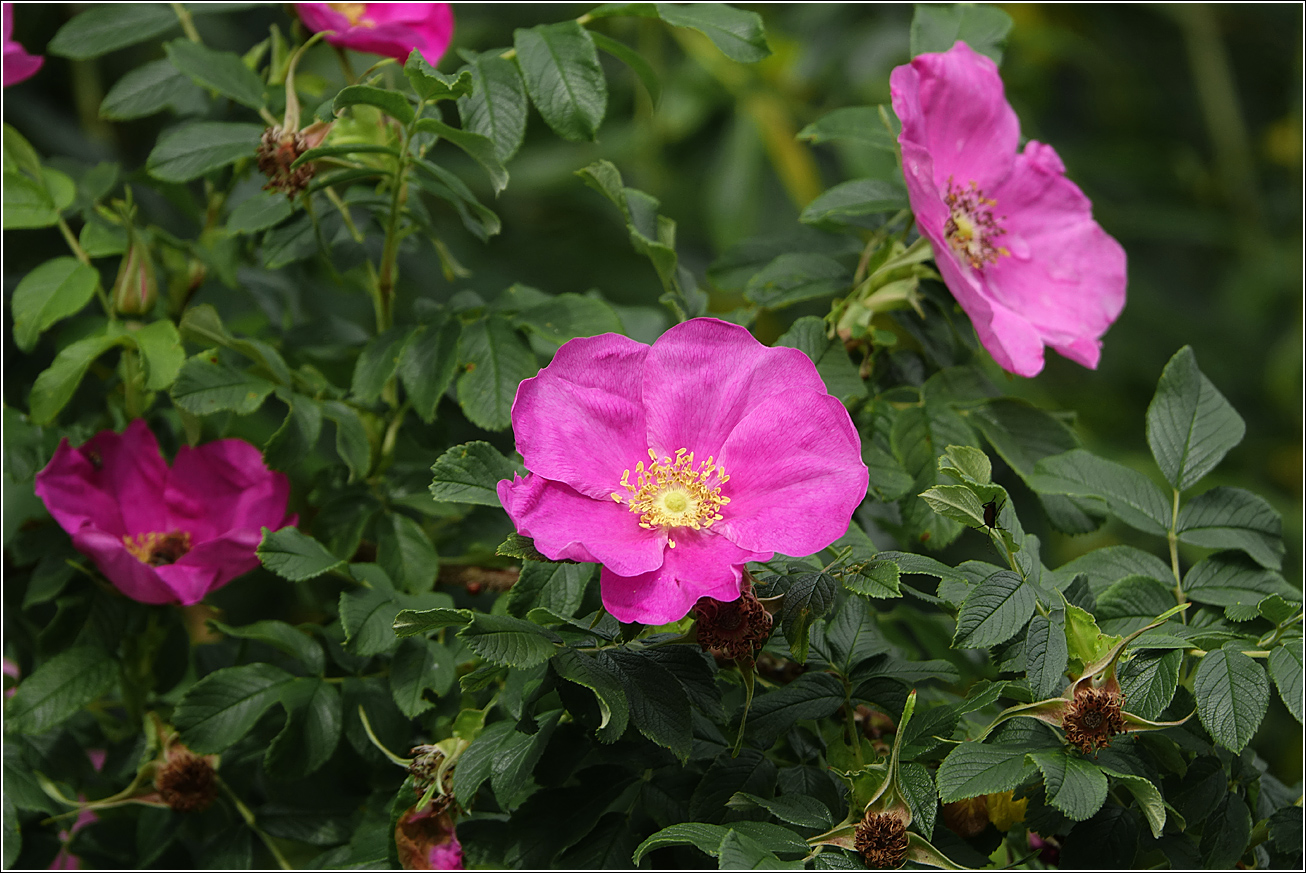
<point x="1013" y="238"/>
<point x="390" y="29"/>
<point x="676" y="464"/>
<point x="19" y="65"/>
<point x="425" y="840"/>
<point x="164" y="535"/>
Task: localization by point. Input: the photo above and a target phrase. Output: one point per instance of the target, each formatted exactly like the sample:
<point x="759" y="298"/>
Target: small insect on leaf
<point x="991" y="511"/>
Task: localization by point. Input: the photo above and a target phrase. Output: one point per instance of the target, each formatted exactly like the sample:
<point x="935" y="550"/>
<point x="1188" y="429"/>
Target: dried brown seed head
<point x="424" y="769"/>
<point x="881" y="838"/>
<point x="1093" y="718"/>
<point x="736" y="628"/>
<point x="277" y="150"/>
<point x="186" y="781"/>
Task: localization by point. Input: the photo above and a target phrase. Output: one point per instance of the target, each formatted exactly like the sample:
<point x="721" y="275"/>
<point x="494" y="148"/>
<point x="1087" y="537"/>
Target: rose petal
<point x="581" y="420"/>
<point x="222" y="486"/>
<point x="567" y="525"/>
<point x="703" y="376"/>
<point x="390" y="29"/>
<point x="796" y="475"/>
<point x="703" y="564"/>
<point x="137" y="580"/>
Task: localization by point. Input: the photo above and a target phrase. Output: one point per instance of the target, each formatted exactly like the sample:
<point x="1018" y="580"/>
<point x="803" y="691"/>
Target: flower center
<point x="155" y="548"/>
<point x="971" y="228"/>
<point x="674" y="492"/>
<point x="354" y="12"/>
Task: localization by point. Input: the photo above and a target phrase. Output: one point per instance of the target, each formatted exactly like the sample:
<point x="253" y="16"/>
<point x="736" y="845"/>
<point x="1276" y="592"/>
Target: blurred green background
<point x="1183" y="124"/>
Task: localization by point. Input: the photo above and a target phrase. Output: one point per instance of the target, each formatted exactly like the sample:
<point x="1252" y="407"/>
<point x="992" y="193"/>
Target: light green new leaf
<point x="53" y="291"/>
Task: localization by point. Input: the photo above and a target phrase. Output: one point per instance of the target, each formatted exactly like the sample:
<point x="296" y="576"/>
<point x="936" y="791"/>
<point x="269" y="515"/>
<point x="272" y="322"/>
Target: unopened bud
<point x="135" y="289"/>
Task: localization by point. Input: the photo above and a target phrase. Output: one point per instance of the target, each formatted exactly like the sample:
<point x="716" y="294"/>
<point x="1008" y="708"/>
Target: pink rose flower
<point x="66" y="860"/>
<point x="19" y="65"/>
<point x="390" y="29"/>
<point x="164" y="535"/>
<point x="676" y="464"/>
<point x="425" y="840"/>
<point x="1013" y="238"/>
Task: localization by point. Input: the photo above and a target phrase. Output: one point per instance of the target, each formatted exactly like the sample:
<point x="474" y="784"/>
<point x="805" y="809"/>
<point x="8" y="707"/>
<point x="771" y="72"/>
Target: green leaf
<point x="1286" y="670"/>
<point x="497" y="106"/>
<point x="428" y="365"/>
<point x="392" y="103"/>
<point x="162" y="352"/>
<point x="432" y="85"/>
<point x="957" y="502"/>
<point x="798" y="809"/>
<point x="916" y="783"/>
<point x="405" y="552"/>
<point x="1148" y="681"/>
<point x="861" y="125"/>
<point x="470" y="473"/>
<point x="919" y="436"/>
<point x="1046" y="653"/>
<point x="851" y="200"/>
<point x="705" y="837"/>
<point x="934" y="28"/>
<point x="809" y="597"/>
<point x="1228" y="578"/>
<point x="1130" y="496"/>
<point x="1231" y="518"/>
<point x="205" y="386"/>
<point x="265" y="209"/>
<point x="589" y="672"/>
<point x="420" y="665"/>
<point x="796" y="276"/>
<point x="1232" y="694"/>
<point x="739" y="852"/>
<point x="378" y="361"/>
<point x="297" y="435"/>
<point x="368" y="617"/>
<point x="223" y="707"/>
<point x="659" y="707"/>
<point x="478" y="146"/>
<point x="749" y="771"/>
<point x="514" y="761"/>
<point x="810" y="696"/>
<point x="1190" y="426"/>
<point x="508" y="641"/>
<point x="294" y="555"/>
<point x="27" y="203"/>
<point x="53" y="291"/>
<point x="877" y="579"/>
<point x="148" y="89"/>
<point x="102" y="29"/>
<point x="495" y="362"/>
<point x="633" y="59"/>
<point x="284" y="637"/>
<point x="557" y="587"/>
<point x="1226" y="834"/>
<point x="55" y="386"/>
<point x="568" y="316"/>
<point x="994" y="611"/>
<point x="223" y="72"/>
<point x="837" y="371"/>
<point x="1132" y="603"/>
<point x="352" y="443"/>
<point x="203" y="325"/>
<point x="1148" y="797"/>
<point x="189" y="152"/>
<point x="312" y="730"/>
<point x="409" y="622"/>
<point x="972" y="769"/>
<point x="1074" y="785"/>
<point x="560" y="66"/>
<point x="737" y="33"/>
<point x="59" y="688"/>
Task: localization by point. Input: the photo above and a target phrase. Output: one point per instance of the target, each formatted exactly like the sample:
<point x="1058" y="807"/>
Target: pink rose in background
<point x="66" y="860"/>
<point x="19" y="65"/>
<point x="390" y="29"/>
<point x="164" y="535"/>
<point x="1013" y="238"/>
<point x="676" y="464"/>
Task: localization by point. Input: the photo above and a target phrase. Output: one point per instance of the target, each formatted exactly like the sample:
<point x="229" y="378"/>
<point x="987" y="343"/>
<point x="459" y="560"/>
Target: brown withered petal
<point x="881" y="838"/>
<point x="425" y="766"/>
<point x="736" y="628"/>
<point x="967" y="818"/>
<point x="1093" y="718"/>
<point x="277" y="150"/>
<point x="186" y="782"/>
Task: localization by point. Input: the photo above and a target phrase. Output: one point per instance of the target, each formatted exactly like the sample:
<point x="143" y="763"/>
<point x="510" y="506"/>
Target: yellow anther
<point x="674" y="492"/>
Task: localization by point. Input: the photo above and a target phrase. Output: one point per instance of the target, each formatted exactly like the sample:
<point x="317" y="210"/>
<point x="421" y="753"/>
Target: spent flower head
<point x="675" y="465"/>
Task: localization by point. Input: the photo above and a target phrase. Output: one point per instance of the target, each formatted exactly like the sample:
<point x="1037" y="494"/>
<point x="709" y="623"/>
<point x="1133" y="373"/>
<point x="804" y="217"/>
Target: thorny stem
<point x="248" y="816"/>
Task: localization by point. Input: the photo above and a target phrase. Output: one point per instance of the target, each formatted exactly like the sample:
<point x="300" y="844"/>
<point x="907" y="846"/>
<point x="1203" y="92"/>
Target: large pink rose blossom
<point x="1013" y="238"/>
<point x="390" y="29"/>
<point x="164" y="535"/>
<point x="19" y="65"/>
<point x="676" y="464"/>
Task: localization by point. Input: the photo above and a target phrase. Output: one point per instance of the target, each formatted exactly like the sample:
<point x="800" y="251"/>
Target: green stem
<point x="1172" y="536"/>
<point x="850" y="717"/>
<point x="131" y="382"/>
<point x="187" y="23"/>
<point x="385" y="279"/>
<point x="80" y="254"/>
<point x="344" y="213"/>
<point x="248" y="816"/>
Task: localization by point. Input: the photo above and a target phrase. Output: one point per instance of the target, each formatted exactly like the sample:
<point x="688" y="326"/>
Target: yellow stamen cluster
<point x="156" y="548"/>
<point x="971" y="227"/>
<point x="674" y="492"/>
<point x="354" y="12"/>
